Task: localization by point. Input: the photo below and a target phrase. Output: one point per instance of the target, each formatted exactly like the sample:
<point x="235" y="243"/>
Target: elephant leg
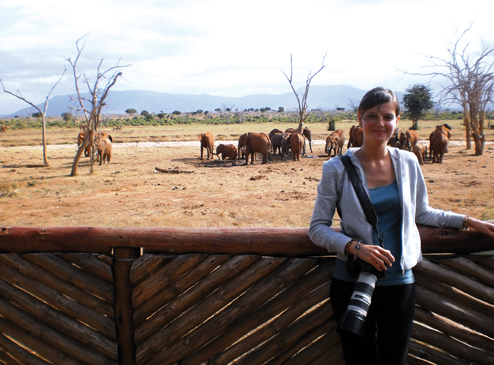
<point x="265" y="158"/>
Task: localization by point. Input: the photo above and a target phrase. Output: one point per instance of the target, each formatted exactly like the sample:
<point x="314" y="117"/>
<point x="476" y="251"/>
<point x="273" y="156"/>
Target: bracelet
<point x="465" y="222"/>
<point x="347" y="246"/>
<point x="356" y="249"/>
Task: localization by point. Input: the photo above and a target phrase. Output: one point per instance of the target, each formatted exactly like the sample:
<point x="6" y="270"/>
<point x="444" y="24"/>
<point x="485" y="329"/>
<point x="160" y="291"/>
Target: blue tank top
<point x="385" y="200"/>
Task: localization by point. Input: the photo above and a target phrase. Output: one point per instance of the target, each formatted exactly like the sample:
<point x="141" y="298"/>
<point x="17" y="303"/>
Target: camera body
<point x="353" y="320"/>
<point x="355" y="266"/>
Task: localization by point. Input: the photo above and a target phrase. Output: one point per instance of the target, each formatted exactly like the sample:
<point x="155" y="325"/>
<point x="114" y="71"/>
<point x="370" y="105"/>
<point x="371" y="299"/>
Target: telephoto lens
<point x="353" y="321"/>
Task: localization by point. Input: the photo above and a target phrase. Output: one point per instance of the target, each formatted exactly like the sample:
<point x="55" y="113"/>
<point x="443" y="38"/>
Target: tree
<point x="469" y="82"/>
<point x="353" y="104"/>
<point x="302" y="99"/>
<point x="417" y="102"/>
<point x="131" y="111"/>
<point x="67" y="117"/>
<point x="98" y="92"/>
<point x="42" y="113"/>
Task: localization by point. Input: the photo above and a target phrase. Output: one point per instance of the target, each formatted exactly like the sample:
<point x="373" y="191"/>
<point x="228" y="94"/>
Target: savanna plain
<point x="130" y="192"/>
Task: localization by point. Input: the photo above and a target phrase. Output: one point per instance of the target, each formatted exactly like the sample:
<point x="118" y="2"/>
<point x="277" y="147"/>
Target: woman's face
<point x="379" y="122"/>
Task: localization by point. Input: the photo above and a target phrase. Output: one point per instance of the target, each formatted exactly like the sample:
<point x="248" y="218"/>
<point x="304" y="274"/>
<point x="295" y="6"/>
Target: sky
<point x="229" y="48"/>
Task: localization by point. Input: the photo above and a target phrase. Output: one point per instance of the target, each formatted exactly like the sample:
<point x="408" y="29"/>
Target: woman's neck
<point x="370" y="153"/>
<point x="377" y="165"/>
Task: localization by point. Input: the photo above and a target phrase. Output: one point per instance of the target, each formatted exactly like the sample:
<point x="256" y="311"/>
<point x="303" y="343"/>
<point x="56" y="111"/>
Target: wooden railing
<point x="194" y="296"/>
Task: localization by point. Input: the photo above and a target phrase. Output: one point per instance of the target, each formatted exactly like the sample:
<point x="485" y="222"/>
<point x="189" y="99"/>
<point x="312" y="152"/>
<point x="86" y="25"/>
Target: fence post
<point x="123" y="259"/>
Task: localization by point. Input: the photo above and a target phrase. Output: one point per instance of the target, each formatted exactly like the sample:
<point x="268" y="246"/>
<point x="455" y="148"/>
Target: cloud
<point x="228" y="48"/>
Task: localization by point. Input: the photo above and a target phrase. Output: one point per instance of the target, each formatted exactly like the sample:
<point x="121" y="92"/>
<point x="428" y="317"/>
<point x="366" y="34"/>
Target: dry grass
<point x="131" y="193"/>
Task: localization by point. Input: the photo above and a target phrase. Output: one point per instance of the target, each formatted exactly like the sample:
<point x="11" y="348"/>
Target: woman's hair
<point x="378" y="96"/>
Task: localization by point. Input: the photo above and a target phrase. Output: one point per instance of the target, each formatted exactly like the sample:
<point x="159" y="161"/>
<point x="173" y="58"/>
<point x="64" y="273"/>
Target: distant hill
<point x="324" y="97"/>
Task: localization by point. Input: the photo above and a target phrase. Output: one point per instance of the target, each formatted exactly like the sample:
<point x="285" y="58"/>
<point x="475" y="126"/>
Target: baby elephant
<point x="104" y="150"/>
<point x="227" y="151"/>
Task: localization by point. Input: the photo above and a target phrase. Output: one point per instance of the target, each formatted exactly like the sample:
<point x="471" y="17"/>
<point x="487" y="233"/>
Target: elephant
<point x="276" y="140"/>
<point x="285" y="144"/>
<point x="255" y="143"/>
<point x="398" y="139"/>
<point x="439" y="140"/>
<point x="297" y="144"/>
<point x="307" y="134"/>
<point x="82" y="135"/>
<point x="441" y="128"/>
<point x="274" y="131"/>
<point x="80" y="140"/>
<point x="356" y="136"/>
<point x="336" y="141"/>
<point x="420" y="151"/>
<point x="412" y="139"/>
<point x="207" y="142"/>
<point x="227" y="151"/>
<point x="104" y="135"/>
<point x="104" y="149"/>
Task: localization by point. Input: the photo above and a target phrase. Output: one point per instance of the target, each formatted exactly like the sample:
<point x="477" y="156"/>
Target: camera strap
<point x="368" y="208"/>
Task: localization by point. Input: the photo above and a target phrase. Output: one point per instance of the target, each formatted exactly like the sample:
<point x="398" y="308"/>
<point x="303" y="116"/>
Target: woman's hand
<point x="375" y="255"/>
<point x="481" y="226"/>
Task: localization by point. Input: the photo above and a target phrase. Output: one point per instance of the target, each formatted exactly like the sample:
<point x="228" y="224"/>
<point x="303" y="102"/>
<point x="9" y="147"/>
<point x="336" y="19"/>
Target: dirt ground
<point x="130" y="192"/>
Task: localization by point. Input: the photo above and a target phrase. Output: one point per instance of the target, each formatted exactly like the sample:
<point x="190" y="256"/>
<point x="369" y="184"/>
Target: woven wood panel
<point x="56" y="309"/>
<point x="454" y="319"/>
<point x="193" y="309"/>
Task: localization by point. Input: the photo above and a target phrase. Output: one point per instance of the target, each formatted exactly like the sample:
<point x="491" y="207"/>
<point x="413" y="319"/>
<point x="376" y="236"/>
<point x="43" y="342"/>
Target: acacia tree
<point x="42" y="113"/>
<point x="417" y="101"/>
<point x="470" y="83"/>
<point x="98" y="92"/>
<point x="302" y="99"/>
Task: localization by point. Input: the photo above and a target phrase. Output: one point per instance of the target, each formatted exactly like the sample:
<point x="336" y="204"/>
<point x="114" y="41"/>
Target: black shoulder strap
<point x="368" y="208"/>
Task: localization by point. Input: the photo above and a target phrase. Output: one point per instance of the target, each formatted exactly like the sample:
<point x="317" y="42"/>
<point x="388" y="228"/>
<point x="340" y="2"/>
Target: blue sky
<point x="229" y="48"/>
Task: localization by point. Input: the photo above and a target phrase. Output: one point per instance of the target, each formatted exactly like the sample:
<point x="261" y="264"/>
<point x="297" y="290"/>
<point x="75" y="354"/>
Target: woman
<point x="394" y="182"/>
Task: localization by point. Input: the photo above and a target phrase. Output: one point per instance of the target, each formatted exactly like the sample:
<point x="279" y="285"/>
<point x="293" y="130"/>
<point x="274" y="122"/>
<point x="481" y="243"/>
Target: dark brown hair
<point x="378" y="96"/>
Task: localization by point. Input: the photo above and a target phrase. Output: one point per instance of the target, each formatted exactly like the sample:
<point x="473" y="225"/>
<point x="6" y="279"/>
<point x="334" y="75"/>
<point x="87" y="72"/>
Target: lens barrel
<point x="354" y="318"/>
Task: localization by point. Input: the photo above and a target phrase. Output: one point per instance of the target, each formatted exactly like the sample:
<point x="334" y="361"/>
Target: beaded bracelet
<point x="465" y="222"/>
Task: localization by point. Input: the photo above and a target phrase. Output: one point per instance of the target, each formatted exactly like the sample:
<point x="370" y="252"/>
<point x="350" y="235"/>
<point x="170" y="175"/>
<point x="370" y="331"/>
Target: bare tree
<point x="42" y="113"/>
<point x="227" y="111"/>
<point x="302" y="99"/>
<point x="353" y="104"/>
<point x="469" y="82"/>
<point x="98" y="92"/>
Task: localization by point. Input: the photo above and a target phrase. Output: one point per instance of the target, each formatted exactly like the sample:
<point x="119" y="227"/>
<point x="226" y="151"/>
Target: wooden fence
<point x="81" y="295"/>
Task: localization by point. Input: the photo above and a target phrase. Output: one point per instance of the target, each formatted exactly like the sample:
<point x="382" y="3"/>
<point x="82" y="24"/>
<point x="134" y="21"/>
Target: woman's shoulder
<point x="402" y="154"/>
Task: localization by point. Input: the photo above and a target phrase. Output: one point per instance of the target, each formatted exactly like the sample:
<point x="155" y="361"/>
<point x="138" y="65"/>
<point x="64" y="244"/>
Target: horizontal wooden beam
<point x="260" y="241"/>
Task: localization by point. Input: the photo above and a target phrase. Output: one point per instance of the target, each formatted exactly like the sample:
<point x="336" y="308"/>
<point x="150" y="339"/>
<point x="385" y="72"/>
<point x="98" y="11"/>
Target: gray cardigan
<point x="336" y="188"/>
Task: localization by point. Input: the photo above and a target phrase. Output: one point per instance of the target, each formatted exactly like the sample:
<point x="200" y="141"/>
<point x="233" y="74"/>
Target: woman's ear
<point x="359" y="119"/>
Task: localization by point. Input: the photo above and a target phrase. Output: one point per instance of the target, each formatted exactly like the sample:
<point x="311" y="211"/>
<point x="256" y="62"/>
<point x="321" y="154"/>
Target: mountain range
<point x="327" y="97"/>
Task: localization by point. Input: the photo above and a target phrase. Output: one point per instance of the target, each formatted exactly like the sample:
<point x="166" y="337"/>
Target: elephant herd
<point x="438" y="143"/>
<point x="251" y="143"/>
<point x="281" y="142"/>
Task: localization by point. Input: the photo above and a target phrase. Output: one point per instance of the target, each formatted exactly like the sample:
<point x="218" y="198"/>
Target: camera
<point x="353" y="320"/>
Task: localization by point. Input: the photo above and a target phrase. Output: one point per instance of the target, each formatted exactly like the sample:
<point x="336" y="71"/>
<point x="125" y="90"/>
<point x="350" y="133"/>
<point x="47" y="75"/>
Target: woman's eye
<point x="370" y="117"/>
